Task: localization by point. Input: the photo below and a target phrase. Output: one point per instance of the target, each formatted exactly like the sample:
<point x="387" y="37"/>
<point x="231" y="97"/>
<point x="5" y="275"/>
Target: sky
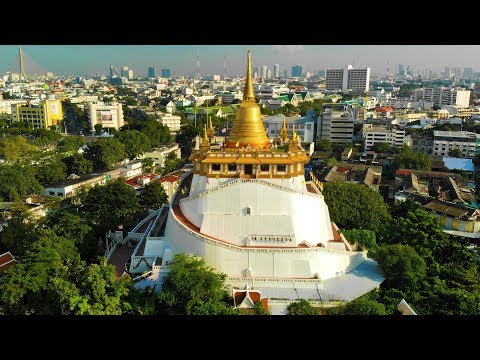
<point x="181" y="59"/>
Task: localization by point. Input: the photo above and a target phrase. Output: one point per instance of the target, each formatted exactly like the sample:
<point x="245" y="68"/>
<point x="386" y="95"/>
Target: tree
<point x="330" y="161"/>
<point x="354" y="206"/>
<point x="18" y="235"/>
<point x="455" y="153"/>
<point x="193" y="287"/>
<point x="17" y="182"/>
<point x="136" y="143"/>
<point x="154" y="196"/>
<point x="52" y="280"/>
<point x="50" y="171"/>
<point x="364" y="306"/>
<point x="15" y="148"/>
<point x="157" y="133"/>
<point x="71" y="143"/>
<point x="324" y="145"/>
<point x="185" y="139"/>
<point x="302" y="307"/>
<point x="76" y="228"/>
<point x="105" y="152"/>
<point x="366" y="238"/>
<point x="147" y="165"/>
<point x="111" y="205"/>
<point x="172" y="163"/>
<point x="130" y="101"/>
<point x="408" y="159"/>
<point x="382" y="147"/>
<point x="77" y="164"/>
<point x="98" y="129"/>
<point x="402" y="266"/>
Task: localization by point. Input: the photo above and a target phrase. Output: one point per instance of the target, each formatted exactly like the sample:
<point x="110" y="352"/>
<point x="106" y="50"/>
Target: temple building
<point x="248" y="211"/>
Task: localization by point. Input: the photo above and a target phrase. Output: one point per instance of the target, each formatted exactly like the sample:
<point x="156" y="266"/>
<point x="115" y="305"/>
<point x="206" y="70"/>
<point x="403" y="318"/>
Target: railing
<point x="253" y="249"/>
<point x="155" y="221"/>
<point x="139" y="225"/>
<point x="157" y="238"/>
<point x="117" y="239"/>
<point x="263" y="182"/>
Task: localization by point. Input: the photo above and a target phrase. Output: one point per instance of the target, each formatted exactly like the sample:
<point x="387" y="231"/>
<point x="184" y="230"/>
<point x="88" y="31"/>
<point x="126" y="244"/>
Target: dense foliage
<point x="301" y="307"/>
<point x="409" y="159"/>
<point x="154" y="196"/>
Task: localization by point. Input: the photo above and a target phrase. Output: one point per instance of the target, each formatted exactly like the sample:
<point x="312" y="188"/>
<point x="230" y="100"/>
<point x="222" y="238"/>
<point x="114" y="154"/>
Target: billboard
<point x="106" y="115"/>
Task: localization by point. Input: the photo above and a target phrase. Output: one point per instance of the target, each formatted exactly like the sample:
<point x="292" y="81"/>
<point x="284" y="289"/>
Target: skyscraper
<point x="357" y="80"/>
<point x="276" y="70"/>
<point x="285" y="73"/>
<point x="468" y="72"/>
<point x="401" y="70"/>
<point x="258" y="71"/>
<point x="296" y="71"/>
<point x="264" y="71"/>
<point x="124" y="71"/>
<point x="151" y="72"/>
<point x="166" y="73"/>
<point x="269" y="73"/>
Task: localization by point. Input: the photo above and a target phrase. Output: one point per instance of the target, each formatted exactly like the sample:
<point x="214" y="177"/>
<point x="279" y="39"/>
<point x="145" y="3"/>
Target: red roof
<point x="169" y="178"/>
<point x="343" y="169"/>
<point x="384" y="109"/>
<point x="134" y="181"/>
<point x="6" y="261"/>
<point x="402" y="172"/>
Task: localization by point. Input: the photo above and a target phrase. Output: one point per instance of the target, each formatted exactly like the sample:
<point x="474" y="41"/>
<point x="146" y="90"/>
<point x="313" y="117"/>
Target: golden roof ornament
<point x="292" y="143"/>
<point x="283" y="132"/>
<point x="205" y="141"/>
<point x="248" y="125"/>
<point x="210" y="130"/>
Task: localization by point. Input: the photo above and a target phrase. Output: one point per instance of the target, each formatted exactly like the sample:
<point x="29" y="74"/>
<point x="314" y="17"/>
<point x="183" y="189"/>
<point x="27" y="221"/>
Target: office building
<point x="374" y="134"/>
<point x="441" y="96"/>
<point x="109" y="116"/>
<point x="264" y="71"/>
<point x="42" y="116"/>
<point x="296" y="71"/>
<point x="356" y="81"/>
<point x="446" y="141"/>
<point x="166" y="73"/>
<point x="151" y="72"/>
<point x="276" y="70"/>
<point x="336" y="123"/>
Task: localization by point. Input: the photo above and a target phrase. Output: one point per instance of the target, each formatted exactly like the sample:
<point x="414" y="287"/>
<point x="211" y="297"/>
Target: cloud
<point x="292" y="49"/>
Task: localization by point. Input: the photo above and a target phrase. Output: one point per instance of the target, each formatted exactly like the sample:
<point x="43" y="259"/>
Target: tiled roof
<point x="6" y="261"/>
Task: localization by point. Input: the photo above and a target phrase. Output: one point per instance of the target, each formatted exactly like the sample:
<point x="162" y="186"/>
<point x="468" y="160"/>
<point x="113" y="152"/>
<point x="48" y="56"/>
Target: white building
<point x="441" y="96"/>
<point x="171" y="121"/>
<point x="105" y="115"/>
<point x="380" y="134"/>
<point x="276" y="70"/>
<point x="445" y="141"/>
<point x="348" y="79"/>
<point x="249" y="213"/>
<point x="408" y="104"/>
<point x="336" y="123"/>
<point x="303" y="126"/>
<point x="158" y="155"/>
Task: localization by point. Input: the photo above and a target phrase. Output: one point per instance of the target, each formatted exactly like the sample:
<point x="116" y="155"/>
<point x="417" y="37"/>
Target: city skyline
<point x="182" y="59"/>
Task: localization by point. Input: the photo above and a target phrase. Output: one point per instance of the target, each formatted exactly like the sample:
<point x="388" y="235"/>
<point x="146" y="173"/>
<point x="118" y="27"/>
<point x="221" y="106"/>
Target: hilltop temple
<point x="247" y="209"/>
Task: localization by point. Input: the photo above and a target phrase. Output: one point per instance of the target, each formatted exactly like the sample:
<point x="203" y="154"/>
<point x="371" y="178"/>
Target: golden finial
<point x="210" y="130"/>
<point x="248" y="94"/>
<point x="248" y="125"/>
<point x="283" y="132"/>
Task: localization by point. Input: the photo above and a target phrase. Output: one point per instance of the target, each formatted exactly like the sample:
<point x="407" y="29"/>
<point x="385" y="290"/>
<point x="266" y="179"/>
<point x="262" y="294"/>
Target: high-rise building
<point x="124" y="71"/>
<point x="468" y="72"/>
<point x="321" y="73"/>
<point x="47" y="113"/>
<point x="441" y="96"/>
<point x="285" y="73"/>
<point x="252" y="220"/>
<point x="166" y="73"/>
<point x="269" y="73"/>
<point x="109" y="116"/>
<point x="296" y="71"/>
<point x="401" y="70"/>
<point x="112" y="71"/>
<point x="447" y="72"/>
<point x="264" y="71"/>
<point x="258" y="70"/>
<point x="348" y="79"/>
<point x="336" y="123"/>
<point x="129" y="74"/>
<point x="276" y="70"/>
<point x="151" y="72"/>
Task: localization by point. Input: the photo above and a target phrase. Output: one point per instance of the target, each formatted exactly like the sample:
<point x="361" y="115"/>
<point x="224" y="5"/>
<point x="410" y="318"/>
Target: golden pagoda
<point x="210" y="130"/>
<point x="283" y="132"/>
<point x="248" y="153"/>
<point x="248" y="127"/>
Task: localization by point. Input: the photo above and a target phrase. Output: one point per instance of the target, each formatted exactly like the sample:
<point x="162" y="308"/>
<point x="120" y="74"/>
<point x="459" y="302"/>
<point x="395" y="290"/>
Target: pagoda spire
<point x="283" y="132"/>
<point x="210" y="130"/>
<point x="248" y="94"/>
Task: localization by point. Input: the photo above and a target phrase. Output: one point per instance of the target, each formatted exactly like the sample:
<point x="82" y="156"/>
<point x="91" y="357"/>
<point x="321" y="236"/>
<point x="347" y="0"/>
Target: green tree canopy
<point x="154" y="196"/>
<point x="15" y="148"/>
<point x="52" y="280"/>
<point x="105" y="152"/>
<point x="50" y="171"/>
<point x="78" y="164"/>
<point x="17" y="182"/>
<point x="71" y="143"/>
<point x="136" y="143"/>
<point x="408" y="159"/>
<point x="324" y="145"/>
<point x="366" y="238"/>
<point x="354" y="206"/>
<point x="185" y="139"/>
<point x="192" y="287"/>
<point x="402" y="266"/>
<point x="302" y="307"/>
<point x="364" y="306"/>
<point x="111" y="205"/>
